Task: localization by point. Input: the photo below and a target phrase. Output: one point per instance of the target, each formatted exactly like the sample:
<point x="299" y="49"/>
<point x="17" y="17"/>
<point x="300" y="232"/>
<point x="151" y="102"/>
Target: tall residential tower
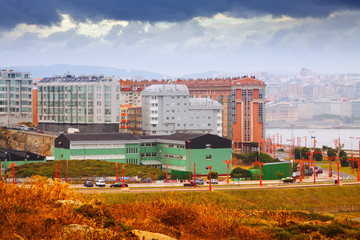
<point x="15" y="97"/>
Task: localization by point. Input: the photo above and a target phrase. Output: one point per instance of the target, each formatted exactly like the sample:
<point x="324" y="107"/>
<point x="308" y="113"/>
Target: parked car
<point x="118" y="184"/>
<point x="88" y="184"/>
<point x="288" y="180"/>
<point x="199" y="181"/>
<point x="213" y="181"/>
<point x="33" y="128"/>
<point x="319" y="170"/>
<point x="24" y="128"/>
<point x="100" y="183"/>
<point x="39" y="131"/>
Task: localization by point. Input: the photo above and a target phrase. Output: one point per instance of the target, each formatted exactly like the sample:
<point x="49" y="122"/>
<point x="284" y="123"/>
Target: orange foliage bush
<point x="46" y="209"/>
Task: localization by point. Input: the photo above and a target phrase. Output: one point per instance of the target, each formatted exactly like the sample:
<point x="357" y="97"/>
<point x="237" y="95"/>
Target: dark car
<point x="318" y="170"/>
<point x="118" y="184"/>
<point x="88" y="184"/>
<point x="33" y="128"/>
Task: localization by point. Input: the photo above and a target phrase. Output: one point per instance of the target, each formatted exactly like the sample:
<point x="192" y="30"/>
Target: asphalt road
<point x="321" y="180"/>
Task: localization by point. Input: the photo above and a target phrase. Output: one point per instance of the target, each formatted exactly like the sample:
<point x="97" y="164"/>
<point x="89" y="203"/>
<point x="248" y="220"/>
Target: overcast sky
<point x="183" y="36"/>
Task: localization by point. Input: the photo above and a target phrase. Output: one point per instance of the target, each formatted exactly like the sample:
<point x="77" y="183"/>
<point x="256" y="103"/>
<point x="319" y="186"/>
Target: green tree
<point x="240" y="172"/>
<point x="300" y="153"/>
<point x="343" y="159"/>
<point x="318" y="154"/>
<point x="331" y="153"/>
<point x="214" y="175"/>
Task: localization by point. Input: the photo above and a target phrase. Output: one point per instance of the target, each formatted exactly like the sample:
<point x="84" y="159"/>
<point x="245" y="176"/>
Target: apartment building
<point x="124" y="126"/>
<point x="89" y="103"/>
<point x="244" y="106"/>
<point x="168" y="109"/>
<point x="130" y="94"/>
<point x="15" y="97"/>
<point x="135" y="120"/>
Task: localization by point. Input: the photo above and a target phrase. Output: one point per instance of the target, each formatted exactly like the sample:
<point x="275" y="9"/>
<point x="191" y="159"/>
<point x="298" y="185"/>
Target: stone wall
<point x="38" y="143"/>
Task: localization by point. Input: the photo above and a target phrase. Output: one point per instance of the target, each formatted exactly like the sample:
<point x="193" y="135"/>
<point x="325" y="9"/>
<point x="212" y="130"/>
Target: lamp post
<point x="116" y="166"/>
<point x="60" y="161"/>
<point x="358" y="162"/>
<point x="123" y="180"/>
<point x="338" y="170"/>
<point x="228" y="163"/>
<point x="13" y="165"/>
<point x="260" y="164"/>
<point x="210" y="179"/>
<point x="313" y="159"/>
<point x="330" y="168"/>
<point x="167" y="170"/>
<point x="194" y="175"/>
<point x="189" y="162"/>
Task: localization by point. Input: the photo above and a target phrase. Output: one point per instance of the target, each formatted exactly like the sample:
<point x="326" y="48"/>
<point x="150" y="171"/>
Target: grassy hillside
<point x="50" y="210"/>
<point x="85" y="168"/>
<point x="323" y="199"/>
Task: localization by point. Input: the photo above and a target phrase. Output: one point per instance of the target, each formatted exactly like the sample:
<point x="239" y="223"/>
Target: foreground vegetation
<point x="85" y="168"/>
<point x="50" y="210"/>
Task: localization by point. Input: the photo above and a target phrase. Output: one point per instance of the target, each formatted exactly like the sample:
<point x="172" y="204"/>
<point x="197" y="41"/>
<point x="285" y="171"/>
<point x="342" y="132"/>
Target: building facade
<point x="15" y="97"/>
<point x="248" y="112"/>
<point x="176" y="153"/>
<point x="167" y="109"/>
<point x="244" y="107"/>
<point x="124" y="125"/>
<point x="135" y="120"/>
<point x="89" y="103"/>
<point x="130" y="94"/>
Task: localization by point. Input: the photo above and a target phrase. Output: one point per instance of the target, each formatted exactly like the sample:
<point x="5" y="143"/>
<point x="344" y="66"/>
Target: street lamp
<point x="228" y="163"/>
<point x="60" y="161"/>
<point x="189" y="161"/>
<point x="210" y="179"/>
<point x="123" y="180"/>
<point x="116" y="179"/>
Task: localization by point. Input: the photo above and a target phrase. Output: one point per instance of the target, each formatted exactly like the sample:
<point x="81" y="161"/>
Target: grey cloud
<point x="45" y="12"/>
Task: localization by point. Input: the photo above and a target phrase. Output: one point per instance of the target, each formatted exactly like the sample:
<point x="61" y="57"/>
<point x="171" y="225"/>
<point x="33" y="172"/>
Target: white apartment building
<point x="15" y="97"/>
<point x="89" y="103"/>
<point x="168" y="109"/>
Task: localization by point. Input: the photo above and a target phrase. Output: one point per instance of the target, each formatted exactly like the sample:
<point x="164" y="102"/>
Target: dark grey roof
<point x="150" y="136"/>
<point x="99" y="136"/>
<point x="183" y="136"/>
<point x="72" y="78"/>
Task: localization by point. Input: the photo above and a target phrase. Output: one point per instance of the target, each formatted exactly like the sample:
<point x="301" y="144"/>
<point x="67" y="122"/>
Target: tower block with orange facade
<point x="248" y="112"/>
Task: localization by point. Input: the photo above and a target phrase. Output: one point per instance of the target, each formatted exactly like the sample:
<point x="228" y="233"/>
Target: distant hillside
<point x="40" y="71"/>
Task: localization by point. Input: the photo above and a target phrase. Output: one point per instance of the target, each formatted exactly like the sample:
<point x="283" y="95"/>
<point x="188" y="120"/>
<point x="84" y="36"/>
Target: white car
<point x="24" y="128"/>
<point x="100" y="183"/>
<point x="213" y="181"/>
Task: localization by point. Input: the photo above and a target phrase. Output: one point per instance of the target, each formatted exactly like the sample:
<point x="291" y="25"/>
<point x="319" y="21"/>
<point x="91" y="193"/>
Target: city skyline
<point x="177" y="38"/>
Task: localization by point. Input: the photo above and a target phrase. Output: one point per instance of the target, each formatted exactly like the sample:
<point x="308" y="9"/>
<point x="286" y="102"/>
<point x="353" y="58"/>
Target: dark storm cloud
<point x="45" y="12"/>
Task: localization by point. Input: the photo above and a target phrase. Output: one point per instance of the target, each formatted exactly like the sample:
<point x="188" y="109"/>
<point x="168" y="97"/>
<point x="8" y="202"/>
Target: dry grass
<point x="34" y="212"/>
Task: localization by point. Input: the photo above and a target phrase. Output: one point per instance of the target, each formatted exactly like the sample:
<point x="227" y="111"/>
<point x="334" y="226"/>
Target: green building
<point x="9" y="156"/>
<point x="174" y="152"/>
<point x="269" y="171"/>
